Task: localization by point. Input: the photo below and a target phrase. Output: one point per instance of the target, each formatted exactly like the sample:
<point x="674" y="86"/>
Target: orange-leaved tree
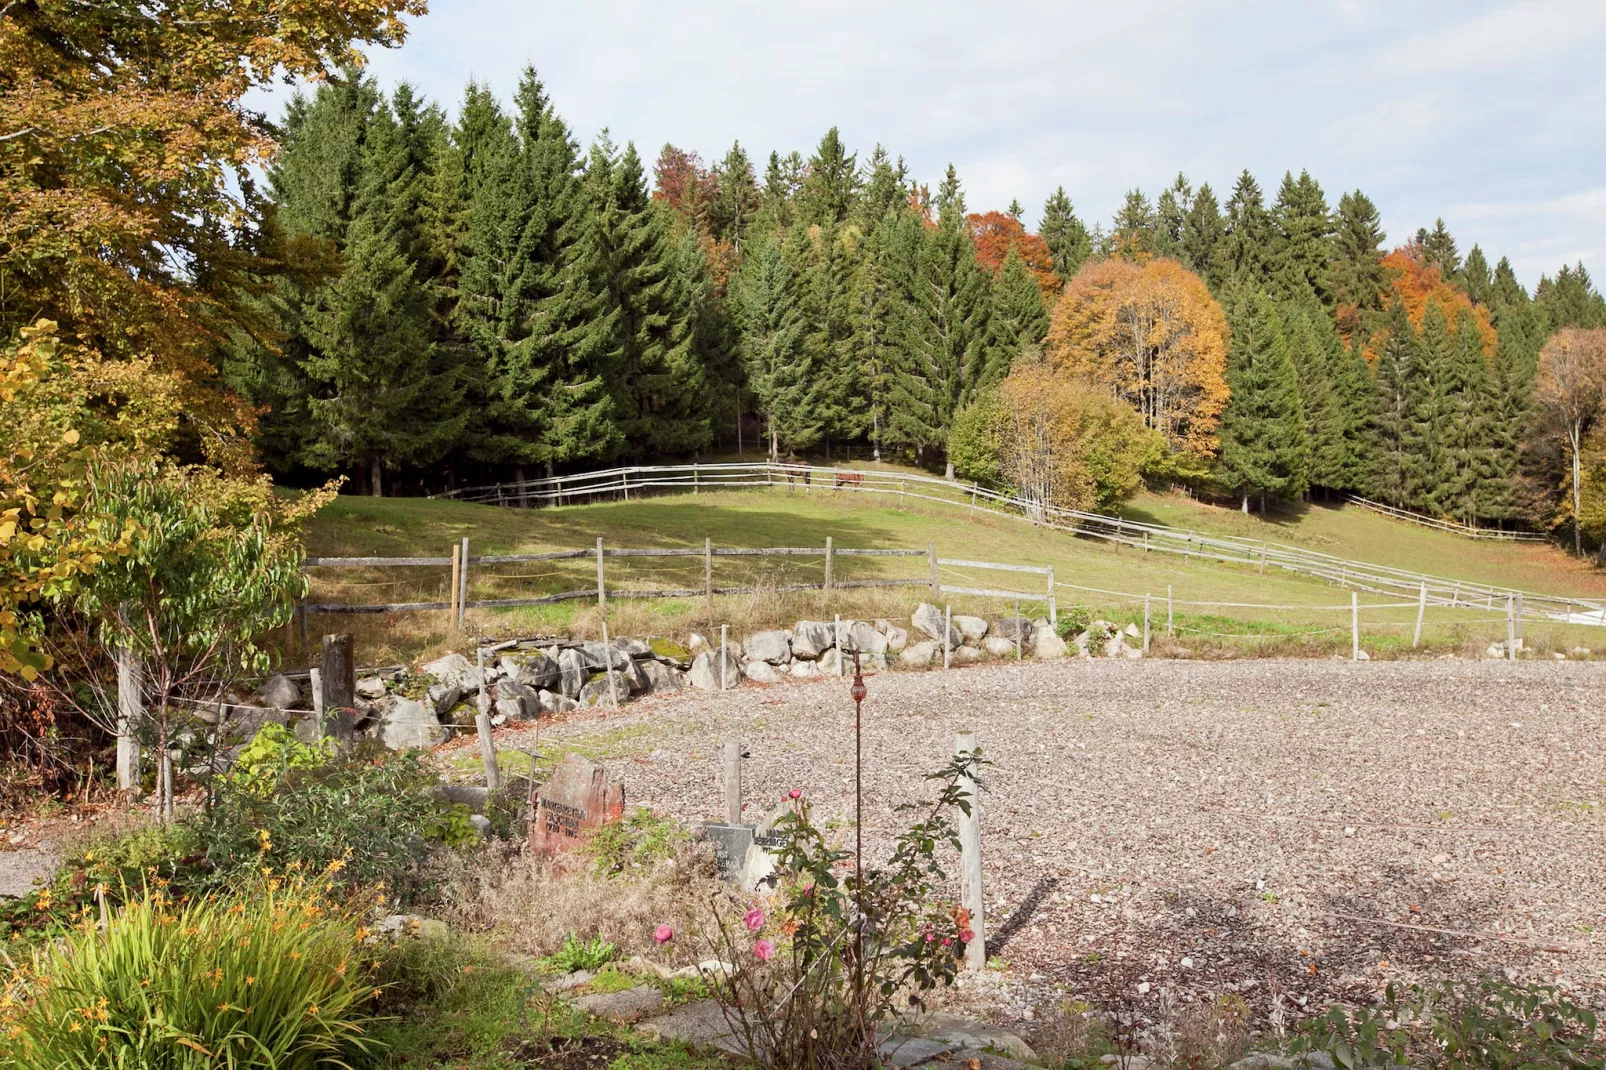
<point x="995" y="232"/>
<point x="1416" y="284"/>
<point x="1151" y="333"/>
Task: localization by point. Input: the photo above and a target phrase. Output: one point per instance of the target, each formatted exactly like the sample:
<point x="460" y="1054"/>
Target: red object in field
<point x="849" y="479"/>
<point x="574" y="800"/>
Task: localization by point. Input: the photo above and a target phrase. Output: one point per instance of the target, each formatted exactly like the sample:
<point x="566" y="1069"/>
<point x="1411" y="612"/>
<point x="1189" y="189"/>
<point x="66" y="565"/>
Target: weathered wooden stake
<point x="1354" y="626"/>
<point x="722" y="629"/>
<point x="339" y="686"/>
<point x="130" y="712"/>
<point x="1262" y="557"/>
<point x="1169" y="628"/>
<point x="1053" y="606"/>
<point x="462" y="593"/>
<point x="613" y="678"/>
<point x="1145" y="624"/>
<point x="1519" y="616"/>
<point x="733" y="783"/>
<point x="931" y="559"/>
<point x="947" y="632"/>
<point x="457" y="580"/>
<point x="696" y="481"/>
<point x="315" y="685"/>
<point x="624" y="478"/>
<point x="828" y="566"/>
<point x="1421" y="611"/>
<point x="970" y="883"/>
<point x="1018" y="629"/>
<point x="602" y="591"/>
<point x="708" y="573"/>
<point x="1511" y="631"/>
<point x="836" y="637"/>
<point x="482" y="729"/>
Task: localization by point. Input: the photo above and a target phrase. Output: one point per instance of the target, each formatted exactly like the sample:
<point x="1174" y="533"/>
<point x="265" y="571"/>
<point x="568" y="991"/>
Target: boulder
<point x="1046" y="646"/>
<point x="897" y="639"/>
<point x="811" y="638"/>
<point x="829" y="661"/>
<point x="918" y="655"/>
<point x="928" y="619"/>
<point x="669" y="651"/>
<point x="967" y="655"/>
<point x="407" y="724"/>
<point x="280" y="692"/>
<point x="1010" y="627"/>
<point x="999" y="647"/>
<point x="633" y="647"/>
<point x="704" y="673"/>
<point x="662" y="678"/>
<point x="761" y="672"/>
<point x="598" y="657"/>
<point x="1361" y="655"/>
<point x="1132" y="631"/>
<point x="516" y="701"/>
<point x="636" y="675"/>
<point x="371" y="688"/>
<point x="630" y="1005"/>
<point x="1114" y="645"/>
<point x="571" y="672"/>
<point x="972" y="628"/>
<point x="872" y="661"/>
<point x="453" y="670"/>
<point x="442" y="697"/>
<point x="805" y="670"/>
<point x="774" y="647"/>
<point x="531" y="668"/>
<point x="552" y="702"/>
<point x="866" y="639"/>
<point x="596" y="693"/>
<point x="696" y="643"/>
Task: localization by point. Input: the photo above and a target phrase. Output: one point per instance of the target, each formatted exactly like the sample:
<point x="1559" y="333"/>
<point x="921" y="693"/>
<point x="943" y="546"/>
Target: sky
<point x="1489" y="115"/>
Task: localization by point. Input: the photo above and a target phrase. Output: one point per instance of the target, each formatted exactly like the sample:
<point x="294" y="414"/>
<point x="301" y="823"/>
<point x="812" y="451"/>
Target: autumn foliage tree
<point x="1570" y="394"/>
<point x="1416" y="282"/>
<point x="1152" y="334"/>
<point x="996" y="233"/>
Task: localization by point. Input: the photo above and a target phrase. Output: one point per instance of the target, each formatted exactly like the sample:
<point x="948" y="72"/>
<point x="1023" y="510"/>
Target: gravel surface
<point x="1289" y="830"/>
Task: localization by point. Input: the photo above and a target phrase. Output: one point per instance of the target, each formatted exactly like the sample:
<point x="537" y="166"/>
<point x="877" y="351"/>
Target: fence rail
<point x="1440" y="524"/>
<point x="1261" y="554"/>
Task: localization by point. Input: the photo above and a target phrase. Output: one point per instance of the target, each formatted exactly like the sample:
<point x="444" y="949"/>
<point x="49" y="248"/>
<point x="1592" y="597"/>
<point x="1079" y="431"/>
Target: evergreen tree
<point x="1357" y="273"/>
<point x="1067" y="239"/>
<point x="832" y="185"/>
<point x="1015" y="211"/>
<point x="1356" y="393"/>
<point x="1017" y="319"/>
<point x="1468" y="434"/>
<point x="1438" y="249"/>
<point x="1171" y="217"/>
<point x="1506" y="294"/>
<point x="1243" y="255"/>
<point x="1477" y="279"/>
<point x="1202" y="234"/>
<point x="1302" y="249"/>
<point x="713" y="335"/>
<point x="1429" y="469"/>
<point x="883" y="192"/>
<point x="1392" y="440"/>
<point x="879" y="289"/>
<point x="778" y="372"/>
<point x="736" y="199"/>
<point x="1262" y="428"/>
<point x="1316" y="352"/>
<point x="1506" y="407"/>
<point x="823" y="267"/>
<point x="1569" y="300"/>
<point x="1133" y="232"/>
<point x="782" y="182"/>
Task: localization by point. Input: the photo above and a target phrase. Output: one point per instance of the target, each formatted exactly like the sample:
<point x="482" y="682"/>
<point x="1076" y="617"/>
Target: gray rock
<point x="829" y="661"/>
<point x="280" y="692"/>
<point x="596" y="693"/>
<point x="1046" y="646"/>
<point x="572" y="673"/>
<point x="967" y="655"/>
<point x="864" y="638"/>
<point x="553" y="702"/>
<point x="574" y="979"/>
<point x="518" y="702"/>
<point x="598" y="657"/>
<point x="410" y="725"/>
<point x="371" y="688"/>
<point x="1316" y="1060"/>
<point x="928" y="619"/>
<point x="631" y="1005"/>
<point x="472" y="796"/>
<point x="1009" y="627"/>
<point x="761" y="672"/>
<point x="705" y="671"/>
<point x="918" y="655"/>
<point x="999" y="647"/>
<point x="443" y="697"/>
<point x="632" y="647"/>
<point x="453" y="669"/>
<point x="531" y="668"/>
<point x="398" y="926"/>
<point x="482" y="825"/>
<point x="696" y="643"/>
<point x="306" y="729"/>
<point x="661" y="678"/>
<point x="897" y="639"/>
<point x="701" y="1024"/>
<point x="811" y="638"/>
<point x="974" y="629"/>
<point x="774" y="647"/>
<point x="805" y="670"/>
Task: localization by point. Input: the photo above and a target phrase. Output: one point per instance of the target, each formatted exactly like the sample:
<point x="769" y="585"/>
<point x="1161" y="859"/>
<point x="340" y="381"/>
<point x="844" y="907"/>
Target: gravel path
<point x="1291" y="830"/>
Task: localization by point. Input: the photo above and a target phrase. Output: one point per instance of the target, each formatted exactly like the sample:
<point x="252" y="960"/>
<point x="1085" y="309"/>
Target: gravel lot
<point x="1290" y="830"/>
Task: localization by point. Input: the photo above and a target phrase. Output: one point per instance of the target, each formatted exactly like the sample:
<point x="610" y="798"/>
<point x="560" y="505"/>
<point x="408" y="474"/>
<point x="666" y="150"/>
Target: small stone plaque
<point x="730" y="846"/>
<point x="574" y="800"/>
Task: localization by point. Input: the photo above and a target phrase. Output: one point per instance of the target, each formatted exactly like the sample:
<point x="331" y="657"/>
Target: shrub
<point x="638" y="842"/>
<point x="577" y="954"/>
<point x="264" y="763"/>
<point x="272" y="980"/>
<point x="113" y="871"/>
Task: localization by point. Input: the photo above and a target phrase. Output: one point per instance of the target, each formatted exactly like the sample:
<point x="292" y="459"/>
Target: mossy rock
<point x="668" y="650"/>
<point x="463" y="715"/>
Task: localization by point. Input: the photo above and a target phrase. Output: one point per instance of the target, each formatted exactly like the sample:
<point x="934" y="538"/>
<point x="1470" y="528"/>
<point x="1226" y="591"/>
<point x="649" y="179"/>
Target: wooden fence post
<point x="339" y="686"/>
<point x="931" y="558"/>
<point x="130" y="712"/>
<point x="970" y="882"/>
<point x="1354" y="626"/>
<point x="733" y="783"/>
<point x="1511" y="632"/>
<point x="828" y="565"/>
<point x="607" y="666"/>
<point x="947" y="632"/>
<point x="1421" y="610"/>
<point x="1262" y="557"/>
<point x="1170" y="628"/>
<point x="722" y="629"/>
<point x="1519" y="616"/>
<point x="624" y="479"/>
<point x="602" y="592"/>
<point x="708" y="573"/>
<point x="315" y="685"/>
<point x="457" y="579"/>
<point x="1018" y="629"/>
<point x="482" y="728"/>
<point x="836" y="638"/>
<point x="696" y="480"/>
<point x="1145" y="624"/>
<point x="1053" y="606"/>
<point x="462" y="593"/>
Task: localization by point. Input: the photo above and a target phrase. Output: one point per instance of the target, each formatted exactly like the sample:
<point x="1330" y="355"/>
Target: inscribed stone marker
<point x="574" y="800"/>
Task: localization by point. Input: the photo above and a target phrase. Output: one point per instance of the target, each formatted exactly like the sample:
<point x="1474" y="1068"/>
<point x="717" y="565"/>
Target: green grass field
<point x="354" y="526"/>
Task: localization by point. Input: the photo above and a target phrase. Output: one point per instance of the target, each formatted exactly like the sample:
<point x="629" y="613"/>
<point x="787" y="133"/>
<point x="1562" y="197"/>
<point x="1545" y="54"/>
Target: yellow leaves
<point x="70" y="438"/>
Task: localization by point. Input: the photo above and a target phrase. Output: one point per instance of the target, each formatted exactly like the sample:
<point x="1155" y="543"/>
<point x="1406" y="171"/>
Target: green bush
<point x="638" y="842"/>
<point x="276" y="979"/>
<point x="577" y="954"/>
<point x="1073" y="621"/>
<point x="264" y="763"/>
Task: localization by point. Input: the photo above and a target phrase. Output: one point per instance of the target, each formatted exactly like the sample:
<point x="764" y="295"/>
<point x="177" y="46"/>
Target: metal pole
<point x="1053" y="608"/>
<point x="1519" y="616"/>
<point x="708" y="573"/>
<point x="1511" y="632"/>
<point x="970" y="884"/>
<point x="828" y="566"/>
<point x="457" y="580"/>
<point x="1018" y="629"/>
<point x="1421" y="610"/>
<point x="1355" y="626"/>
<point x="931" y="558"/>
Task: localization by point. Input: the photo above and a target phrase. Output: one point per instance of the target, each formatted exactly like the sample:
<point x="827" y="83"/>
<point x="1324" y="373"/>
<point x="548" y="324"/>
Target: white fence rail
<point x="1440" y="524"/>
<point x="622" y="483"/>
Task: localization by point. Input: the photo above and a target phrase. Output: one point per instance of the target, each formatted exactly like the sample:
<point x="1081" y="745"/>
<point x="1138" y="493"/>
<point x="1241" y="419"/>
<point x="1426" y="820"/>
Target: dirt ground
<point x="1293" y="831"/>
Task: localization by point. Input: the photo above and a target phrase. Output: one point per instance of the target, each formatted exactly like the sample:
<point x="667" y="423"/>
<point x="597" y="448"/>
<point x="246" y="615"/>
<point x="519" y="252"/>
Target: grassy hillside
<point x="795" y="517"/>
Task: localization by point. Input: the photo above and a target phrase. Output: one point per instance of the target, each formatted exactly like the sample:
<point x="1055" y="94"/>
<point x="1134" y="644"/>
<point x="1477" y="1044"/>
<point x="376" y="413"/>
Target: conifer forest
<point x="482" y="298"/>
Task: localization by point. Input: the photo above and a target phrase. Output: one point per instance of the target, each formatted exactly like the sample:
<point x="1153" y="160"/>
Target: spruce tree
<point x="778" y="372"/>
<point x="1392" y="439"/>
<point x="1171" y="217"/>
<point x="1243" y="256"/>
<point x="883" y="193"/>
<point x="1202" y="234"/>
<point x="1134" y="231"/>
<point x="1569" y="300"/>
<point x="1067" y="239"/>
<point x="880" y="287"/>
<point x="1507" y="396"/>
<point x="1438" y="249"/>
<point x="1357" y="273"/>
<point x="823" y="269"/>
<point x="832" y="185"/>
<point x="1429" y="471"/>
<point x="1302" y="248"/>
<point x="1469" y="436"/>
<point x="1314" y="349"/>
<point x="1356" y="393"/>
<point x="1262" y="428"/>
<point x="1017" y="319"/>
<point x="1506" y="295"/>
<point x="736" y="201"/>
<point x="1477" y="279"/>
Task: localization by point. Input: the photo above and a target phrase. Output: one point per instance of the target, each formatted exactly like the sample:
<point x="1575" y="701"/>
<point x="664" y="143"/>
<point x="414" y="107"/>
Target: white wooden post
<point x="1354" y="626"/>
<point x="931" y="560"/>
<point x="457" y="583"/>
<point x="602" y="591"/>
<point x="836" y="638"/>
<point x="970" y="882"/>
<point x="1421" y="610"/>
<point x="462" y="594"/>
<point x="613" y="679"/>
<point x="315" y="682"/>
<point x="733" y="783"/>
<point x="722" y="628"/>
<point x="482" y="728"/>
<point x="130" y="712"/>
<point x="1145" y="624"/>
<point x="1053" y="608"/>
<point x="1511" y="632"/>
<point x="1018" y="629"/>
<point x="1169" y="630"/>
<point x="1519" y="616"/>
<point x="947" y="631"/>
<point x="828" y="566"/>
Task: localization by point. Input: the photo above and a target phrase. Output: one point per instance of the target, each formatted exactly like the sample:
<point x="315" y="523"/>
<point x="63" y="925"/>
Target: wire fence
<point x="637" y="481"/>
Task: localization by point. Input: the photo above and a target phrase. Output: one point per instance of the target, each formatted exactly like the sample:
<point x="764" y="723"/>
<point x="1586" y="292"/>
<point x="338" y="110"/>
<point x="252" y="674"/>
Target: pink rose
<point x="754" y="920"/>
<point x="763" y="949"/>
<point x="663" y="934"/>
<point x="966" y="935"/>
<point x="794" y="794"/>
<point x="946" y="942"/>
<point x="931" y="938"/>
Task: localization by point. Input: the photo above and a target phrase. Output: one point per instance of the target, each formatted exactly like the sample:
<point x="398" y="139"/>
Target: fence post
<point x="1169" y="628"/>
<point x="1145" y="624"/>
<point x="1262" y="557"/>
<point x="1421" y="610"/>
<point x="1519" y="616"/>
<point x="828" y="565"/>
<point x="1018" y="629"/>
<point x="607" y="666"/>
<point x="302" y="613"/>
<point x="1354" y="626"/>
<point x="931" y="558"/>
<point x="339" y="686"/>
<point x="903" y="493"/>
<point x="1053" y="607"/>
<point x="130" y="711"/>
<point x="836" y="638"/>
<point x="602" y="591"/>
<point x="462" y="593"/>
<point x="1455" y="595"/>
<point x="733" y="783"/>
<point x="970" y="882"/>
<point x="696" y="480"/>
<point x="457" y="579"/>
<point x="708" y="573"/>
<point x="947" y="632"/>
<point x="722" y="628"/>
<point x="624" y="479"/>
<point x="1511" y="632"/>
<point x="972" y="501"/>
<point x="315" y="685"/>
<point x="482" y="728"/>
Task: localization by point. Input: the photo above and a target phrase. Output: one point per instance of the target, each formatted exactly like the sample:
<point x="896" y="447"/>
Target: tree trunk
<point x="1578" y="527"/>
<point x="1246" y="503"/>
<point x="524" y="491"/>
<point x="376" y="486"/>
<point x="1262" y="503"/>
<point x="948" y="470"/>
<point x="775" y="445"/>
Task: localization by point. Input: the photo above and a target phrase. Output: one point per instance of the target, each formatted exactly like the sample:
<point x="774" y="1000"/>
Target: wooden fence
<point x="1450" y="526"/>
<point x="1260" y="554"/>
